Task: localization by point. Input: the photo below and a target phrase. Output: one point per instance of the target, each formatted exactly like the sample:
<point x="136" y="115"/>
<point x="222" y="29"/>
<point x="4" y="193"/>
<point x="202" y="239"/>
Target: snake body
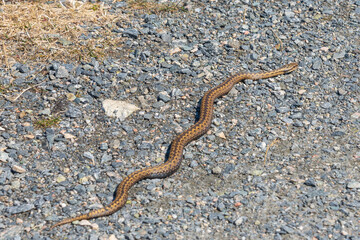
<point x="177" y="146"/>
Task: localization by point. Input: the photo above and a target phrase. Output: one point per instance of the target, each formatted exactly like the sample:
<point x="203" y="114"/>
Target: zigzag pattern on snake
<point x="177" y="146"/>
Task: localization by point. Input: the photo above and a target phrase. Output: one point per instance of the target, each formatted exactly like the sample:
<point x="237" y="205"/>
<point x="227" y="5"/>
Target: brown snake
<point x="177" y="146"/>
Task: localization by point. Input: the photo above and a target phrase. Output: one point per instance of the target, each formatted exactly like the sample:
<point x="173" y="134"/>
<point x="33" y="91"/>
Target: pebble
<point x="60" y="178"/>
<point x="310" y="182"/>
<point x="164" y="96"/>
<point x="339" y="55"/>
<point x="62" y="72"/>
<point x="133" y="33"/>
<point x="46" y="112"/>
<point x="118" y="109"/>
<point x="18" y="169"/>
<point x="20" y="208"/>
<point x="89" y="155"/>
<point x="4" y="156"/>
<point x="216" y="170"/>
<point x="353" y="185"/>
<point x="239" y="221"/>
<point x="326" y="105"/>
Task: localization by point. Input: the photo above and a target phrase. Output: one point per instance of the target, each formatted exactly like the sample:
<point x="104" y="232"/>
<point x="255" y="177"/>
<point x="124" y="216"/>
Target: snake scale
<point x="177" y="146"/>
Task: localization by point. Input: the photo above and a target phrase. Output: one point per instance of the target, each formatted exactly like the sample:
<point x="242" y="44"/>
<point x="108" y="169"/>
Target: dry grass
<point x="38" y="31"/>
<point x="35" y="31"/>
<point x="153" y="6"/>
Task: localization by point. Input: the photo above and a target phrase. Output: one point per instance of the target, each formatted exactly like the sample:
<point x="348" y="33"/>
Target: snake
<point x="174" y="160"/>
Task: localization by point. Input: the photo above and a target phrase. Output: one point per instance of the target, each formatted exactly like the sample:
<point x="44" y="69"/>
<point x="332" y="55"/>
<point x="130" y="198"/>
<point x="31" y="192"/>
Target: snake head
<point x="288" y="68"/>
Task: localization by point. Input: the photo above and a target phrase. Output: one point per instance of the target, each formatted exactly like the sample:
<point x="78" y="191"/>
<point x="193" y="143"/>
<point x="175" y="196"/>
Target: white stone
<point x="118" y="109"/>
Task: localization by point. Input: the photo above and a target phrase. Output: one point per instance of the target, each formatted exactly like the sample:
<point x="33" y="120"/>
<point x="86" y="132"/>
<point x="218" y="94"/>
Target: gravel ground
<point x="307" y="187"/>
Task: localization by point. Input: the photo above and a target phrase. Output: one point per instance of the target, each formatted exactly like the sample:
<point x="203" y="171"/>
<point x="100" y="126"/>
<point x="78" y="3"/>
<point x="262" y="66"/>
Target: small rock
<point x="60" y="178"/>
<point x="115" y="144"/>
<point x="338" y="134"/>
<point x="166" y="37"/>
<point x="216" y="170"/>
<point x="326" y="105"/>
<point x="287" y="229"/>
<point x="221" y="135"/>
<point x="69" y="136"/>
<point x="4" y="156"/>
<point x="256" y="172"/>
<point x="282" y="109"/>
<point x="339" y="55"/>
<point x="112" y="237"/>
<point x="94" y="226"/>
<point x="221" y="207"/>
<point x="23" y="68"/>
<point x="118" y="109"/>
<point x="341" y="91"/>
<point x="73" y="112"/>
<point x="18" y="169"/>
<point x="261" y="145"/>
<point x="310" y="182"/>
<point x="45" y="111"/>
<point x="289" y="14"/>
<point x="89" y="155"/>
<point x="15" y="184"/>
<point x="254" y="56"/>
<point x="353" y="185"/>
<point x="133" y="33"/>
<point x="21" y="208"/>
<point x="62" y="72"/>
<point x="317" y="64"/>
<point x="296" y="116"/>
<point x="194" y="163"/>
<point x="171" y="52"/>
<point x="239" y="221"/>
<point x="164" y="96"/>
<point x="105" y="158"/>
<point x="104" y="146"/>
<point x="287" y="120"/>
<point x="355" y="115"/>
<point x="71" y="97"/>
<point x="83" y="223"/>
<point x="50" y="137"/>
<point x="166" y="184"/>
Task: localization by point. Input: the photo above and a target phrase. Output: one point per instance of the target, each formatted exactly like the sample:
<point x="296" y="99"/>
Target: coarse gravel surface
<point x="281" y="160"/>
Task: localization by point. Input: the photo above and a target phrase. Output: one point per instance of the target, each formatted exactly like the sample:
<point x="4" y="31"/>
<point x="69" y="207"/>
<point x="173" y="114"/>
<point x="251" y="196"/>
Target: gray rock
<point x="282" y="109"/>
<point x="104" y="146"/>
<point x="89" y="155"/>
<point x="73" y="112"/>
<point x="194" y="164"/>
<point x="23" y="68"/>
<point x="50" y="137"/>
<point x="105" y="158"/>
<point x="164" y="96"/>
<point x="62" y="72"/>
<point x="326" y="105"/>
<point x="45" y="111"/>
<point x="216" y="170"/>
<point x="21" y="208"/>
<point x="353" y="185"/>
<point x="239" y="221"/>
<point x="133" y="33"/>
<point x="310" y="182"/>
<point x="339" y="55"/>
<point x="4" y="156"/>
<point x="289" y="14"/>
